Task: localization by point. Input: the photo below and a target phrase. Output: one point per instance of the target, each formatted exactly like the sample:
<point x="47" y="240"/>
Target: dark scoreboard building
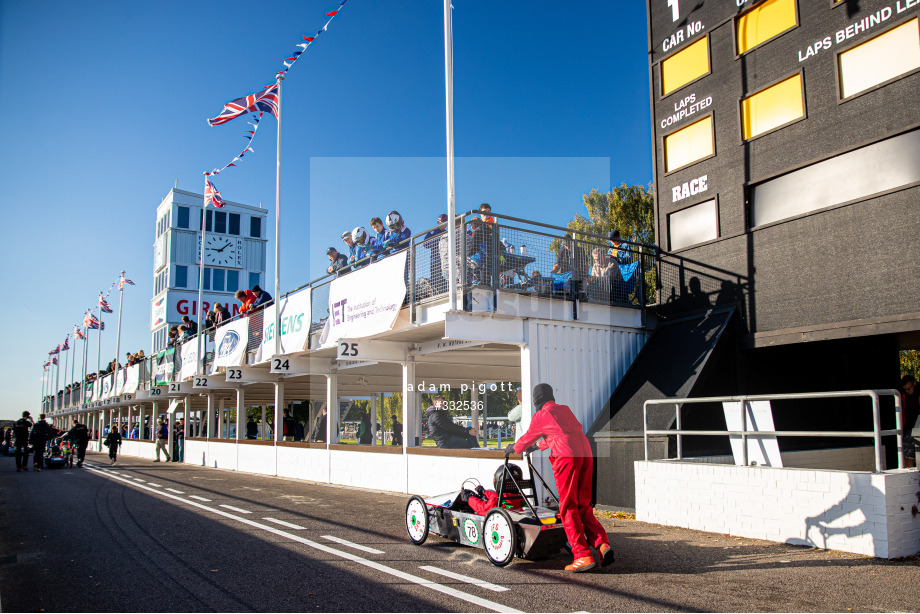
<point x="787" y="154"/>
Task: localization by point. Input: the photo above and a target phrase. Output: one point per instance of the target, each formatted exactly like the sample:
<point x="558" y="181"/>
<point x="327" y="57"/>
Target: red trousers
<point x="573" y="479"/>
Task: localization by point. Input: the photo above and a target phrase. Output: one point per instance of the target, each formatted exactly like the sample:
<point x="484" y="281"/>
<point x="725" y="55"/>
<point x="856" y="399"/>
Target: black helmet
<point x="500" y="475"/>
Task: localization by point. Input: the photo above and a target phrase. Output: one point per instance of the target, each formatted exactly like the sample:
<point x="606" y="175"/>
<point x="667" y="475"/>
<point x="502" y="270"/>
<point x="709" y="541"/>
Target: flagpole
<point x="57" y="378"/>
<point x="451" y="205"/>
<point x="66" y="362"/>
<point x="204" y="216"/>
<point x="73" y="366"/>
<point x="121" y="303"/>
<point x="85" y="359"/>
<point x="99" y="338"/>
<point x="278" y="228"/>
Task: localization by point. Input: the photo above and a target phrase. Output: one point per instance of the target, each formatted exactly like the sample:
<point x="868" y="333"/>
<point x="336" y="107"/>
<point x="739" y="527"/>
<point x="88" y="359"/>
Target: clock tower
<point x="234" y="258"/>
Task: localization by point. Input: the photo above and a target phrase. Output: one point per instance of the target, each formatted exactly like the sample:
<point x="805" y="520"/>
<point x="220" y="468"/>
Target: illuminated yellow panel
<point x="772" y="107"/>
<point x="763" y="22"/>
<point x="879" y="59"/>
<point x="684" y="66"/>
<point x="689" y="144"/>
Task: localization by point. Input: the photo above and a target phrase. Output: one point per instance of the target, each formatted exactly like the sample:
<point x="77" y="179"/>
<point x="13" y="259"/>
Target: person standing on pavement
<point x="21" y="430"/>
<point x="41" y="433"/>
<point x="162" y="439"/>
<point x="557" y="428"/>
<point x="180" y="440"/>
<point x="79" y="435"/>
<point x="113" y="441"/>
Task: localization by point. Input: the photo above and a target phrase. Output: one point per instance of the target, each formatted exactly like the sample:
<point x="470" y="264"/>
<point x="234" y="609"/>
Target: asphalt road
<point x="163" y="537"/>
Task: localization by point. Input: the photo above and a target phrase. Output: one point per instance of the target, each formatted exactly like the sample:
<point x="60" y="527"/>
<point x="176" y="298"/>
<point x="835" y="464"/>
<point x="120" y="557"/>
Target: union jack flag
<point x="123" y="281"/>
<point x="77" y="333"/>
<point x="46" y="364"/>
<point x="92" y="323"/>
<point x="211" y="195"/>
<point x="54" y="360"/>
<point x="104" y="304"/>
<point x="266" y="101"/>
<point x="65" y="346"/>
<point x="54" y="351"/>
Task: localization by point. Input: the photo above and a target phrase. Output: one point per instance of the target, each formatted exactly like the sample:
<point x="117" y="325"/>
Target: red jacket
<point x="247" y="301"/>
<point x="561" y="430"/>
<point x="481" y="507"/>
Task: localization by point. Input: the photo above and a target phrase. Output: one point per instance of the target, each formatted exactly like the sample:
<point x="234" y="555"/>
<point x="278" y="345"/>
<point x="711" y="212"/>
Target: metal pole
<point x="278" y="231"/>
<point x="73" y="371"/>
<point x="121" y="302"/>
<point x="451" y="205"/>
<point x="204" y="215"/>
<point x="57" y="380"/>
<point x="99" y="339"/>
<point x="876" y="428"/>
<point x="67" y="362"/>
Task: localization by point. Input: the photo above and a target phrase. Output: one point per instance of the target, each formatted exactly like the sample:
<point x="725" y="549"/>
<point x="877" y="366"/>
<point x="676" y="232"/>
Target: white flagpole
<point x="66" y="362"/>
<point x="85" y="359"/>
<point x="451" y="205"/>
<point x="44" y="381"/>
<point x="57" y="379"/>
<point x="73" y="366"/>
<point x="99" y="338"/>
<point x="121" y="303"/>
<point x="278" y="229"/>
<point x="204" y="215"/>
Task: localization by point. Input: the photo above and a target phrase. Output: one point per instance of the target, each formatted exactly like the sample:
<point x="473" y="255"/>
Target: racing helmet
<point x="500" y="476"/>
<point x="394" y="220"/>
<point x="359" y="234"/>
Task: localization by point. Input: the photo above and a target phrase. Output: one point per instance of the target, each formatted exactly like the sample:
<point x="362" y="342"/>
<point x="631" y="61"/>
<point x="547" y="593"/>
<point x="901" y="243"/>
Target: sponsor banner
<point x="165" y="367"/>
<point x="132" y="379"/>
<point x="108" y="387"/>
<point x="230" y="344"/>
<point x="88" y="392"/>
<point x="174" y="304"/>
<point x="367" y="301"/>
<point x="119" y="382"/>
<point x="295" y="325"/>
<point x="189" y="360"/>
<point x="157" y="313"/>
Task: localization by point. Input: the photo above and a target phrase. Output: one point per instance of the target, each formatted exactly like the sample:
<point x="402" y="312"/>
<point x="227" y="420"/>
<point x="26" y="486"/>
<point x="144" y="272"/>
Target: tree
<point x="910" y="363"/>
<point x="629" y="209"/>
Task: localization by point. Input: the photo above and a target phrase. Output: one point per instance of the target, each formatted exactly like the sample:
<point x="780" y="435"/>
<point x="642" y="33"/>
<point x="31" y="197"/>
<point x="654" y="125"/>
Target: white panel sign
<point x="295" y="325"/>
<point x="108" y="387"/>
<point x="230" y="342"/>
<point x="119" y="382"/>
<point x="177" y="303"/>
<point x="132" y="379"/>
<point x="762" y="450"/>
<point x="189" y="360"/>
<point x="367" y="301"/>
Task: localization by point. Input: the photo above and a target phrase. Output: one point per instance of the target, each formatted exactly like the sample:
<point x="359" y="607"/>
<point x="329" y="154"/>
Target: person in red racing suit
<point x="572" y="462"/>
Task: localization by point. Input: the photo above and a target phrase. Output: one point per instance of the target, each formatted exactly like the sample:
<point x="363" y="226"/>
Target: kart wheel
<point x="499" y="537"/>
<point x="417" y="520"/>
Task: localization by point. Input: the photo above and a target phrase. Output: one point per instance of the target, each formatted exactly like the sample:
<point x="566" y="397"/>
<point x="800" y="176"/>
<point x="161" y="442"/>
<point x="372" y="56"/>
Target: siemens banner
<point x="296" y="314"/>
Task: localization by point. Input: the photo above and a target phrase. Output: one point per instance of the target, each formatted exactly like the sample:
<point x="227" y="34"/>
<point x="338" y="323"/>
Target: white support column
<point x="170" y="434"/>
<point x="221" y="419"/>
<point x="410" y="413"/>
<point x="279" y="411"/>
<point x="262" y="426"/>
<point x="529" y="375"/>
<point x="332" y="408"/>
<point x="240" y="413"/>
<point x="210" y="427"/>
<point x="154" y="410"/>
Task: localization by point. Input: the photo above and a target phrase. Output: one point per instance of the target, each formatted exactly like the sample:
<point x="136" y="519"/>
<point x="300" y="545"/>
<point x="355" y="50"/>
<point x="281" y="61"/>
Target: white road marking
<point x="152" y="484"/>
<point x="235" y="509"/>
<point x="462" y="578"/>
<point x="285" y="524"/>
<point x="344" y="542"/>
<point x="178" y="492"/>
<point x="447" y="590"/>
<point x="199" y="498"/>
<point x="140" y="480"/>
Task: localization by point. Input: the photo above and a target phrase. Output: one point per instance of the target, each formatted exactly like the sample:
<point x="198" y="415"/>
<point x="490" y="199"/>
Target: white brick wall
<point x="861" y="458"/>
<point x="866" y="513"/>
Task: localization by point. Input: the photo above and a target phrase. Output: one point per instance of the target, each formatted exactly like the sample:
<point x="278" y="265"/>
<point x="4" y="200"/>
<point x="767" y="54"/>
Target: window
<point x="208" y="221"/>
<point x="772" y="107"/>
<point x="182" y="220"/>
<point x="217" y="281"/>
<point x="873" y="169"/>
<point x="688" y="64"/>
<point x="207" y="278"/>
<point x="694" y="225"/>
<point x="233" y="281"/>
<point x="181" y="280"/>
<point x="255" y="227"/>
<point x="689" y="144"/>
<point x="765" y="21"/>
<point x="880" y="59"/>
<point x="234" y="223"/>
<point x="253" y="279"/>
<point x="220" y="222"/>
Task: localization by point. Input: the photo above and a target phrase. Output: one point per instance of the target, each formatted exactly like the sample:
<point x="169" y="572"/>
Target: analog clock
<point x="221" y="251"/>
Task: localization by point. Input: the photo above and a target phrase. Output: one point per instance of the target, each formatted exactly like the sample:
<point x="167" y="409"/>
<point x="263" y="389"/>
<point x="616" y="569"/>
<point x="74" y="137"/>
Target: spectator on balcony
<point x="439" y="262"/>
<point x="217" y="316"/>
<point x="172" y="337"/>
<point x="445" y="432"/>
<point x="396" y="237"/>
<point x="246" y="299"/>
<point x="349" y="240"/>
<point x="362" y="248"/>
<point x="485" y="211"/>
<point x="479" y="250"/>
<point x="183" y="334"/>
<point x="339" y="261"/>
<point x="619" y="251"/>
<point x="376" y="242"/>
<point x="191" y="326"/>
<point x="263" y="298"/>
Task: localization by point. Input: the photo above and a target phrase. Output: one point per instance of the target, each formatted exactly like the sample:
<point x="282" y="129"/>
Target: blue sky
<point x="105" y="106"/>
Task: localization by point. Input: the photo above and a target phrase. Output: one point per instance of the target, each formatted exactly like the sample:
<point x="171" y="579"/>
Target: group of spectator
<point x="32" y="437"/>
<point x="362" y="245"/>
<point x="250" y="301"/>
